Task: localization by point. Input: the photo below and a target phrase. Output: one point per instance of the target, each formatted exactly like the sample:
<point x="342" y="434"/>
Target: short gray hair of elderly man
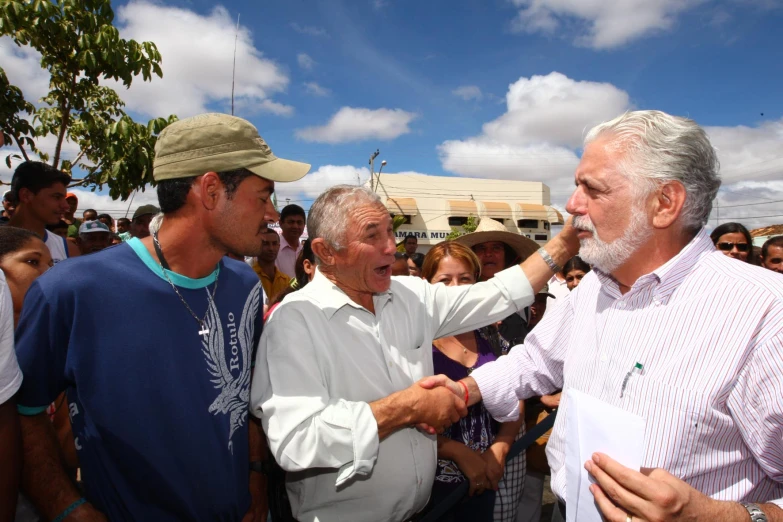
<point x="651" y="149"/>
<point x="331" y="212"/>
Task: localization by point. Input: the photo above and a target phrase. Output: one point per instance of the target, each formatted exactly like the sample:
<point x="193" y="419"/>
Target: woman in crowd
<point x="23" y="257"/>
<point x="574" y="271"/>
<point x="734" y="241"/>
<point x="415" y="262"/>
<point x="304" y="270"/>
<point x="470" y="449"/>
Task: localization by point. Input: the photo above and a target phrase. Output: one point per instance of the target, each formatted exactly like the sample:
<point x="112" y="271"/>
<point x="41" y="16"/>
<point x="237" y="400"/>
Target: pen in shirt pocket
<point x="637" y="368"/>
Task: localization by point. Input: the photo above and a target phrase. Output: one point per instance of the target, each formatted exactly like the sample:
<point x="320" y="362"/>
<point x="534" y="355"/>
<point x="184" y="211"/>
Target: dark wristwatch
<point x="756" y="514"/>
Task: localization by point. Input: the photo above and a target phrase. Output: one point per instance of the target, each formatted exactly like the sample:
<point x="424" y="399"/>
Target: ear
<point x="309" y="268"/>
<point x="207" y="189"/>
<point x="323" y="251"/>
<point x="668" y="203"/>
<point x="25" y="195"/>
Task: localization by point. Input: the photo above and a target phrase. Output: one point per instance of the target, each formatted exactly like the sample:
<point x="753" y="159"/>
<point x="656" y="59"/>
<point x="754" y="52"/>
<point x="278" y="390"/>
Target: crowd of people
<point x="348" y="377"/>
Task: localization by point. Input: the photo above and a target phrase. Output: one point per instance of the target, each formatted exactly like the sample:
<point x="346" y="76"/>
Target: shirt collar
<point x="284" y="244"/>
<point x="669" y="275"/>
<point x="332" y="298"/>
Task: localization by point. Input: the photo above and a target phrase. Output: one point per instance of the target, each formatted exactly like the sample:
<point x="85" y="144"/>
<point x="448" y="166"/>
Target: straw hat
<point x="491" y="230"/>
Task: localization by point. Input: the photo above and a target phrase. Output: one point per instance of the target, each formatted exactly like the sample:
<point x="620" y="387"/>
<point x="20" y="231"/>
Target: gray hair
<point x="661" y="148"/>
<point x="329" y="215"/>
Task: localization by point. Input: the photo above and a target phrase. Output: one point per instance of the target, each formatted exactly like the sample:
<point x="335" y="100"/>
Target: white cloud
<point x="312" y="185"/>
<point x="116" y="208"/>
<point x="751" y="169"/>
<point x="555" y="109"/>
<point x="749" y="152"/>
<point x="308" y="30"/>
<point x="536" y="139"/>
<point x="468" y="92"/>
<point x="358" y="124"/>
<point x="22" y="65"/>
<point x="316" y="90"/>
<point x="609" y="24"/>
<point x="197" y="60"/>
<point x="276" y="108"/>
<point x="305" y="61"/>
<point x="47" y="145"/>
<point x="482" y="157"/>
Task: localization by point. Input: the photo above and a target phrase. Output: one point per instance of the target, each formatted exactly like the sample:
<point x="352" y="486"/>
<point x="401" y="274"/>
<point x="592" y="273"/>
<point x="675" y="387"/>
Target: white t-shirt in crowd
<point x="10" y="374"/>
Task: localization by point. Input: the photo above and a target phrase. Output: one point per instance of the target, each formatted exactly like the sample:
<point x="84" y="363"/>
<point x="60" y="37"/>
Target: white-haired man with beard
<point x="707" y="331"/>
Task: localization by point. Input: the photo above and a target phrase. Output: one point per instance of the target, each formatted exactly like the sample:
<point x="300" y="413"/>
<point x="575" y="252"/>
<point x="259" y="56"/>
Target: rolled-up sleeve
<point x="756" y="404"/>
<point x="305" y="427"/>
<point x="531" y="369"/>
<point x="459" y="309"/>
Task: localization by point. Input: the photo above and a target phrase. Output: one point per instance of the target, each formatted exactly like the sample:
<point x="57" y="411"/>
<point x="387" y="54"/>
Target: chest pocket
<point x="418" y="361"/>
<point x="675" y="416"/>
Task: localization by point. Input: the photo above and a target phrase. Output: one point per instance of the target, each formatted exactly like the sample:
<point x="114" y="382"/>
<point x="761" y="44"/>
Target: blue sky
<point x="496" y="89"/>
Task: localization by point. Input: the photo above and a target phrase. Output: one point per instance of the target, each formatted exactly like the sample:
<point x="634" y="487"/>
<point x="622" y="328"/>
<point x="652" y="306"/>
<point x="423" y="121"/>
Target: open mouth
<point x="383" y="270"/>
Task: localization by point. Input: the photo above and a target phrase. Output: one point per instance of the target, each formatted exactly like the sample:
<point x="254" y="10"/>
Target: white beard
<point x="608" y="257"/>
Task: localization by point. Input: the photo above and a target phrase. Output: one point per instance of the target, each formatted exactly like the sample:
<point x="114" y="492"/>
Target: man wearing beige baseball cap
<point x="159" y="412"/>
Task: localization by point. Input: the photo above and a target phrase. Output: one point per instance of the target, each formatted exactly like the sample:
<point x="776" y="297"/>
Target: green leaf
<point x="79" y="45"/>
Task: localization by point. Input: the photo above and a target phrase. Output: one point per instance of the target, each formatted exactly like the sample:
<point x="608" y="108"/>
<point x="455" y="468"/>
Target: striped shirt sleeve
<point x="755" y="404"/>
<point x="531" y="369"/>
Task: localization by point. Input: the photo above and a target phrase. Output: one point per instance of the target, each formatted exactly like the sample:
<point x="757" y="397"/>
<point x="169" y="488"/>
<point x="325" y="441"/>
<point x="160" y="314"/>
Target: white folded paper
<point x="595" y="426"/>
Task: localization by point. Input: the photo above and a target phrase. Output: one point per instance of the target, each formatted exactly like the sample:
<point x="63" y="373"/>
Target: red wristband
<point x="464" y="387"/>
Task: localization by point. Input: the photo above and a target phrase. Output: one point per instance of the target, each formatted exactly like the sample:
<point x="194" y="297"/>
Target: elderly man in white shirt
<point x="337" y="367"/>
<point x="664" y="327"/>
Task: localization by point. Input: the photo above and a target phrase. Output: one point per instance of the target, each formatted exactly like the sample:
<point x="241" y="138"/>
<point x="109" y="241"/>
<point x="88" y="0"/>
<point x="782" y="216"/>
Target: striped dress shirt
<point x="708" y="331"/>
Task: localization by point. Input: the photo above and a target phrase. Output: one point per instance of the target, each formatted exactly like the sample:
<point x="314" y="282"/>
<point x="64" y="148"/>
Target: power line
<point x="750" y="204"/>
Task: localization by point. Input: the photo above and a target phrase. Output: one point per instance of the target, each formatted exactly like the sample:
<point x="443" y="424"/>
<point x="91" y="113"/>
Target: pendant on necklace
<point x="204" y="331"/>
<point x="464" y="350"/>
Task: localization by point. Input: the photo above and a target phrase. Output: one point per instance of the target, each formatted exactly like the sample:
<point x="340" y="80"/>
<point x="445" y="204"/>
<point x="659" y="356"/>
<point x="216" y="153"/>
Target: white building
<point x="432" y="205"/>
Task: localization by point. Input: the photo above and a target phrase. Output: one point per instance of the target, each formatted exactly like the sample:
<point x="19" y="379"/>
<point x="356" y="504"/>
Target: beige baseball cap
<point x="218" y="143"/>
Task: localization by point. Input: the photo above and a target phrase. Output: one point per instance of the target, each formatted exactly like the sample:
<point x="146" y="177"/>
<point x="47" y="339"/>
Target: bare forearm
<point x="44" y="478"/>
<point x="391" y="413"/>
<point x="258" y="452"/>
<point x="11" y="457"/>
<point x="474" y="394"/>
<point x="774" y="513"/>
<point x="449" y="449"/>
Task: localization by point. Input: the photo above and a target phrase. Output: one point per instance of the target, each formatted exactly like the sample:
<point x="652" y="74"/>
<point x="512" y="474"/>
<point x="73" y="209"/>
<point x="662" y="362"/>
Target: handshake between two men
<point x="431" y="404"/>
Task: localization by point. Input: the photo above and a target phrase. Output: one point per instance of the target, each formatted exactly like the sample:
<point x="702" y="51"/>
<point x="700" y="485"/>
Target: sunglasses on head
<point x="726" y="246"/>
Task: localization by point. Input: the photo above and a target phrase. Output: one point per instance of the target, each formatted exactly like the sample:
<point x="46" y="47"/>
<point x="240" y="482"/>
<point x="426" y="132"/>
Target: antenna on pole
<point x="234" y="72"/>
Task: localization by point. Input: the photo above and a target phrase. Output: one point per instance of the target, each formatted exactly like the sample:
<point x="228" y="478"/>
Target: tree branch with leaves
<point x="82" y="50"/>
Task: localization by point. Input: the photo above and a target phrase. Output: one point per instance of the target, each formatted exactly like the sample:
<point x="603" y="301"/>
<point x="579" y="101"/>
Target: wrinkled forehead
<point x="368" y="215"/>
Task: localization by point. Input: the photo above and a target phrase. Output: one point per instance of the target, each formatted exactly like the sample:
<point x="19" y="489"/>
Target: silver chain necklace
<point x="210" y="298"/>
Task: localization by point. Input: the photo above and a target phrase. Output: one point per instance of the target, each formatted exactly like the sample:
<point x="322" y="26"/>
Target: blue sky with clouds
<point x="495" y="88"/>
